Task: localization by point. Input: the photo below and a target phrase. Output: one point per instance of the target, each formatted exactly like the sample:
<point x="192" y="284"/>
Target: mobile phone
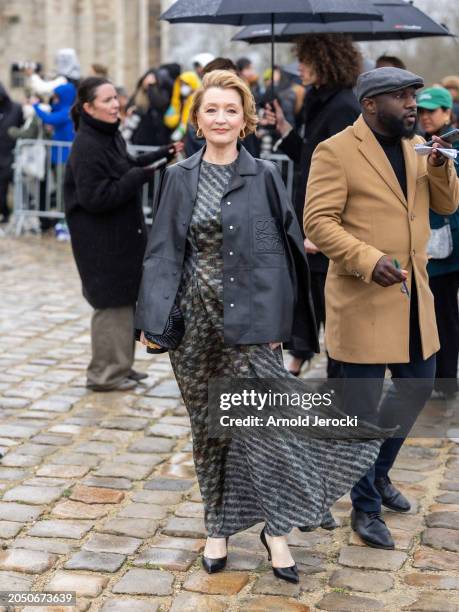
<point x="451" y="137"/>
<point x="157" y="164"/>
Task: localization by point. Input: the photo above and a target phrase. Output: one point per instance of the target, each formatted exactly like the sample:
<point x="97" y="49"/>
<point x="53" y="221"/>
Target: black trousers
<point x="418" y="379"/>
<point x="46" y="222"/>
<point x="334" y="369"/>
<point x="444" y="289"/>
<point x="364" y="494"/>
<point x="4" y="210"/>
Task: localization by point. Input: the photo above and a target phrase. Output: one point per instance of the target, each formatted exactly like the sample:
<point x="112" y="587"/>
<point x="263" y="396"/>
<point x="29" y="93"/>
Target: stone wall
<point x="122" y="34"/>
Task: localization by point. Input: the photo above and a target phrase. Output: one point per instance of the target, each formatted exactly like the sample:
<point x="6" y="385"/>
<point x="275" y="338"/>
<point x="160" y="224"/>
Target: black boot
<point x="391" y="497"/>
<point x="372" y="529"/>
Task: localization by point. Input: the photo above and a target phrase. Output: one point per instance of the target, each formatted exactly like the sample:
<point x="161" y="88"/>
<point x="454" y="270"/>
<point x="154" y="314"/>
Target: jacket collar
<point x="245" y="166"/>
<point x="375" y="155"/>
<point x="96" y="124"/>
<point x="317" y="98"/>
<point x="324" y="92"/>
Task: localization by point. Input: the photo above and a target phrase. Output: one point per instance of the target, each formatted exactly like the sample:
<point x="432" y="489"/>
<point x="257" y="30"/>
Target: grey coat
<point x="266" y="282"/>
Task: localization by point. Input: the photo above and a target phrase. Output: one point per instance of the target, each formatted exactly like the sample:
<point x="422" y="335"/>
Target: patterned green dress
<point x="283" y="481"/>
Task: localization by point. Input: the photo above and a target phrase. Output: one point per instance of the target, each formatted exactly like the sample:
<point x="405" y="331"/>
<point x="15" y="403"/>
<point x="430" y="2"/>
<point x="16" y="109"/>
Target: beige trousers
<point x="112" y="342"/>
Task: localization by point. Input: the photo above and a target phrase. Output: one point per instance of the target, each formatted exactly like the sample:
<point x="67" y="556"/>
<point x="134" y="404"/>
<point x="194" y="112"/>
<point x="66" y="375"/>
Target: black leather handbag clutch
<point x="171" y="336"/>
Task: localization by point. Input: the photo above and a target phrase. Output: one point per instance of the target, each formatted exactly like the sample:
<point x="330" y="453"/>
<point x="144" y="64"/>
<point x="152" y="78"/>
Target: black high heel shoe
<point x="290" y="574"/>
<point x="214" y="565"/>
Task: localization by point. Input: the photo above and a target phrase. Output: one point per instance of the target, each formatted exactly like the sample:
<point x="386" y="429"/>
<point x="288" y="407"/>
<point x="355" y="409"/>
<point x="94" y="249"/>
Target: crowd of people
<point x="231" y="269"/>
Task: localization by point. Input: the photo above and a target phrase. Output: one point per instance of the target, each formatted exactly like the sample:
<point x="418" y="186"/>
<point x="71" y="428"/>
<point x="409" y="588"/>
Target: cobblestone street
<point x="99" y="496"/>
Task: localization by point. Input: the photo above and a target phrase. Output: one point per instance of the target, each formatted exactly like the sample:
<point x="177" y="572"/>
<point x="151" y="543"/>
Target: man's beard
<point x="395" y="126"/>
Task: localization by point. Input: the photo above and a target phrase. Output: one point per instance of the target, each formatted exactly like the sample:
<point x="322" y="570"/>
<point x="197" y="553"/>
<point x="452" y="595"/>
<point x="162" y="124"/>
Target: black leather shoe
<point x="214" y="565"/>
<point x="372" y="529"/>
<point x="391" y="497"/>
<point x="290" y="574"/>
<point x="125" y="385"/>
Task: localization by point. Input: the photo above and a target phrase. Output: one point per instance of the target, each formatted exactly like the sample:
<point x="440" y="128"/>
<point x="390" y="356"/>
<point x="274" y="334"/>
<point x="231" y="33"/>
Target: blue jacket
<point x="438" y="267"/>
<point x="60" y="119"/>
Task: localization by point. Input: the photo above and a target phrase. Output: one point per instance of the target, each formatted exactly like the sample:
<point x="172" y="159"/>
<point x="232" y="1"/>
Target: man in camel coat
<point x="367" y="209"/>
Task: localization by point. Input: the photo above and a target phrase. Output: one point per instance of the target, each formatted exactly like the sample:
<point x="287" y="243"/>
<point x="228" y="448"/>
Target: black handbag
<point x="171" y="336"/>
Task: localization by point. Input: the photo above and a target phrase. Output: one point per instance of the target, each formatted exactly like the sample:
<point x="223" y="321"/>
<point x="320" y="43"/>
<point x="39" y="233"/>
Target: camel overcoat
<point x="356" y="212"/>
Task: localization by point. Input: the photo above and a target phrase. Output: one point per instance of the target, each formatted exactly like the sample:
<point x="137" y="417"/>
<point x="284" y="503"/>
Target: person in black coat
<point x="10" y="116"/>
<point x="150" y="101"/>
<point x="105" y="219"/>
<point x="329" y="65"/>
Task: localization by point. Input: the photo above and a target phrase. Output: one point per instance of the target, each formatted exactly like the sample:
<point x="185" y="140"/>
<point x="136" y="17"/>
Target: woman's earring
<point x="199" y="133"/>
<point x="242" y="134"/>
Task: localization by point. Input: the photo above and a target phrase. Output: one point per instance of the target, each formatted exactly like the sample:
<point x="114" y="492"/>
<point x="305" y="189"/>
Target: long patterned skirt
<point x="284" y="481"/>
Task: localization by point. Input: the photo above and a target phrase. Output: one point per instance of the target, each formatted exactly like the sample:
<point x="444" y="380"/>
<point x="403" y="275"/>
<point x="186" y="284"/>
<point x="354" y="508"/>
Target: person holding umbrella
<point x="329" y="65"/>
<point x="226" y="251"/>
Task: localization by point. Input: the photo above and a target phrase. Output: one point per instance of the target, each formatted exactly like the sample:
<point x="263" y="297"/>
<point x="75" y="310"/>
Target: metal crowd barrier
<point x="287" y="170"/>
<point x="39" y="182"/>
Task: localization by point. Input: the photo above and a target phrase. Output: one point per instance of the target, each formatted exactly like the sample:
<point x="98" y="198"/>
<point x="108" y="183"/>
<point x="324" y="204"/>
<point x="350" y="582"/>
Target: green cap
<point x="434" y="97"/>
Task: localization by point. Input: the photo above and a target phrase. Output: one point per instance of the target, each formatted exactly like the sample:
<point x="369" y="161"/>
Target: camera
<point x="18" y="72"/>
<point x="21" y="66"/>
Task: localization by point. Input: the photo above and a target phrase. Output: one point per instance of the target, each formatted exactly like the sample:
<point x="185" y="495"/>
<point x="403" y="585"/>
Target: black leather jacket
<point x="265" y="271"/>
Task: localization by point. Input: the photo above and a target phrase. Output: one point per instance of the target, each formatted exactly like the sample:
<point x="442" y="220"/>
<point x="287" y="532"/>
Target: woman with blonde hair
<point x="227" y="252"/>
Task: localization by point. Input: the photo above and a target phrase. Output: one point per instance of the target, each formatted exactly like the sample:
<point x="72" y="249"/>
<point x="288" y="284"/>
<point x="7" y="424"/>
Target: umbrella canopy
<point x="242" y="12"/>
<point x="401" y="20"/>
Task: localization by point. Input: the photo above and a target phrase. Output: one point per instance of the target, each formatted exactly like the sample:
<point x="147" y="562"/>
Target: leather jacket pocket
<point x="267" y="235"/>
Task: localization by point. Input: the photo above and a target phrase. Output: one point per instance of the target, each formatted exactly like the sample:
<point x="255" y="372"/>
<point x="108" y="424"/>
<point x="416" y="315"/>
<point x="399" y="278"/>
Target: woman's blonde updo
<point x="225" y="79"/>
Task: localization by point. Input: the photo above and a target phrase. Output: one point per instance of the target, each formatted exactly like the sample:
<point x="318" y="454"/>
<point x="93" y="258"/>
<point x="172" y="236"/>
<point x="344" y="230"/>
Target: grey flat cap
<point x="384" y="80"/>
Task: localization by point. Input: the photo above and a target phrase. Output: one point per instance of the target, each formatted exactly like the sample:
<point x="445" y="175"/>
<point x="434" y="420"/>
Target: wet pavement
<point x="98" y="493"/>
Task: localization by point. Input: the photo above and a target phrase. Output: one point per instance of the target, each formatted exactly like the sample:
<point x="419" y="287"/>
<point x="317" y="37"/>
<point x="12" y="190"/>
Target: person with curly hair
<point x="329" y="65"/>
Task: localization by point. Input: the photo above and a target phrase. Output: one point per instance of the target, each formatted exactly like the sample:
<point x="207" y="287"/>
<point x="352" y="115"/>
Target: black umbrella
<point x="401" y="20"/>
<point x="250" y="12"/>
<point x="244" y="12"/>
